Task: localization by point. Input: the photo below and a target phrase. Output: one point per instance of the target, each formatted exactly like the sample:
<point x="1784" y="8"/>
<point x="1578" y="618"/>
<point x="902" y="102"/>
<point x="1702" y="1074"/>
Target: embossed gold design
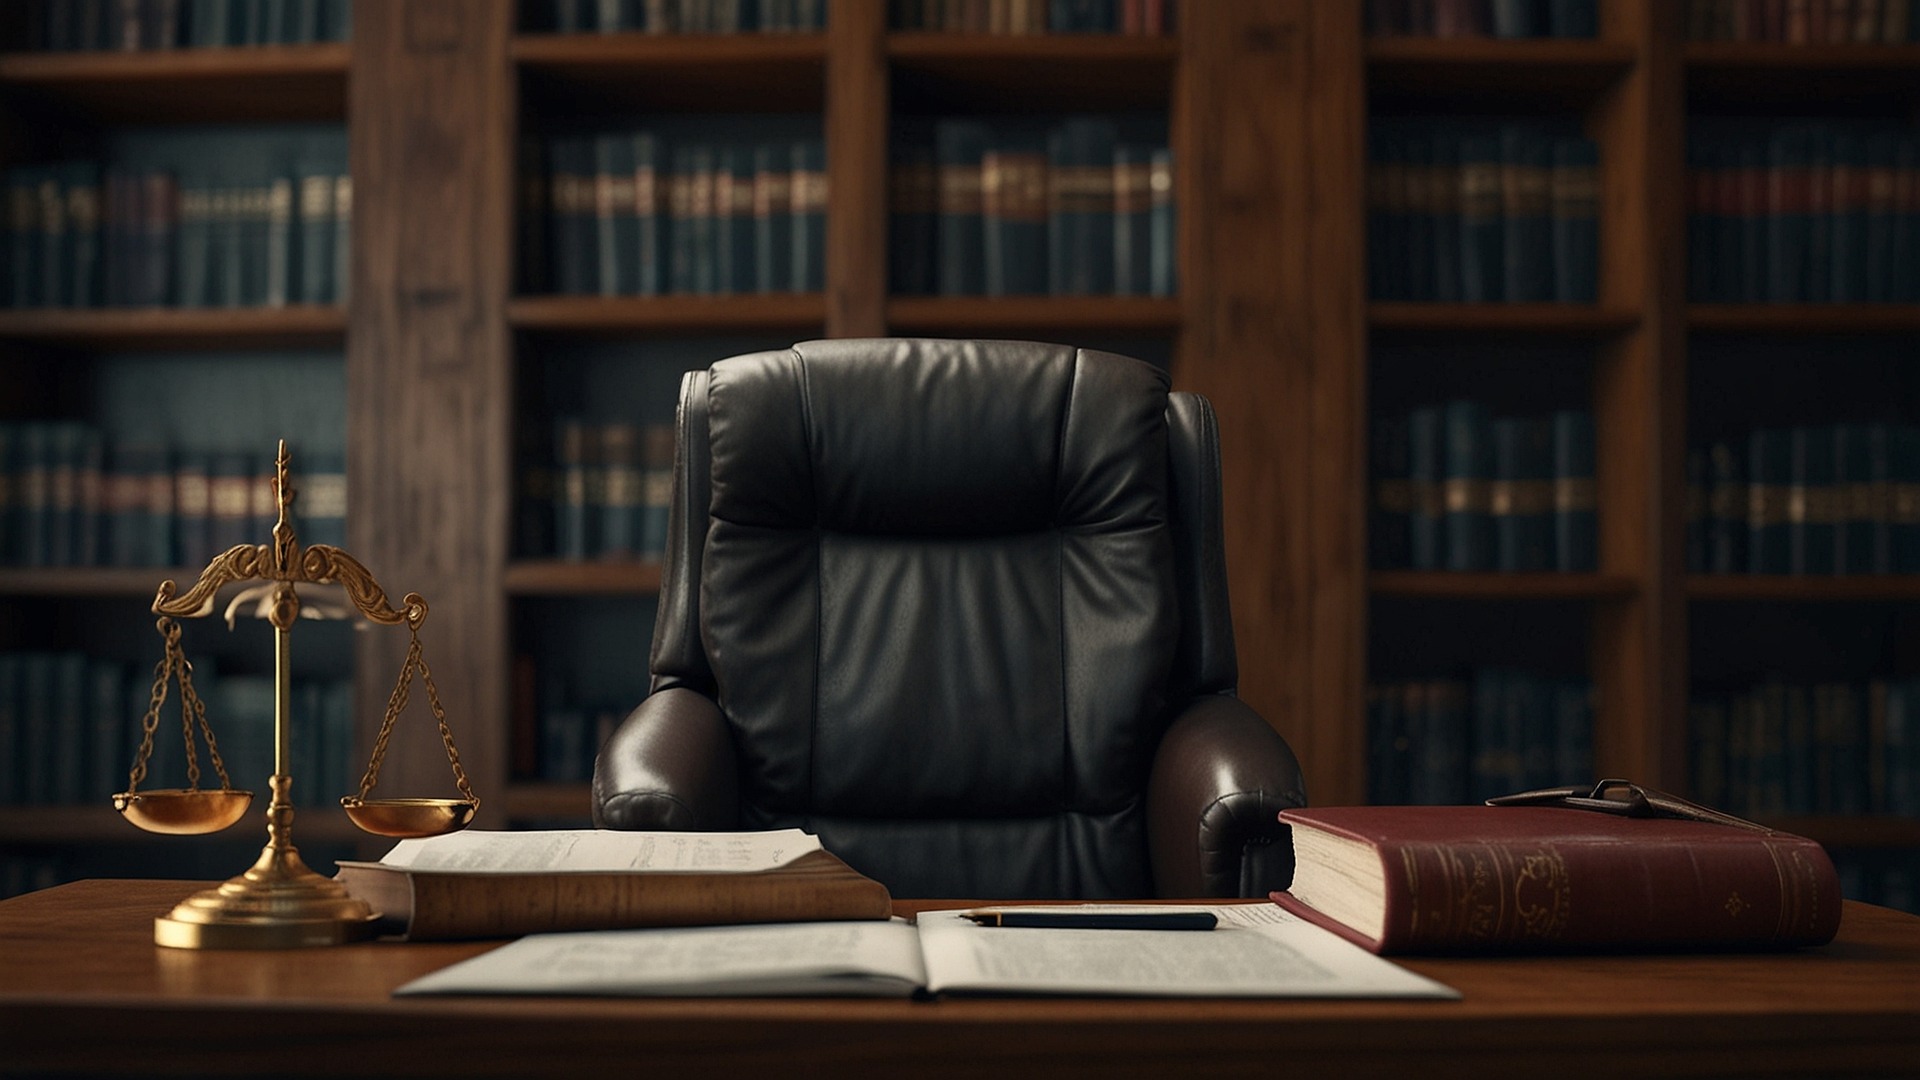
<point x="279" y="902"/>
<point x="1735" y="906"/>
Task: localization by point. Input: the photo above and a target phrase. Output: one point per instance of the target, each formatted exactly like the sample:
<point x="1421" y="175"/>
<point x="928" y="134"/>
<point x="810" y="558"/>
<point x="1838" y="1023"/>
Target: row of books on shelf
<point x="625" y="213"/>
<point x="1502" y="730"/>
<point x="1833" y="499"/>
<point x="1081" y="208"/>
<point x="1153" y="17"/>
<point x="1891" y="883"/>
<point x="1456" y="488"/>
<point x="678" y="16"/>
<point x="135" y="25"/>
<point x="70" y="725"/>
<point x="1798" y="748"/>
<point x="1804" y="22"/>
<point x="604" y="494"/>
<point x="70" y="496"/>
<point x="1811" y="212"/>
<point x="1460" y="211"/>
<point x="80" y="237"/>
<point x="1483" y="18"/>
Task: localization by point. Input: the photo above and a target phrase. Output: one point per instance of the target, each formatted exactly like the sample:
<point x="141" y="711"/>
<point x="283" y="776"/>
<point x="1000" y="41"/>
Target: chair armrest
<point x="670" y="766"/>
<point x="1220" y="779"/>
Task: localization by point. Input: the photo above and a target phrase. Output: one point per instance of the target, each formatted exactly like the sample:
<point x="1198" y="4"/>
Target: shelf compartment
<point x="103" y="581"/>
<point x="1530" y="320"/>
<point x="694" y="73"/>
<point x="615" y="315"/>
<point x="134" y="329"/>
<point x="1447" y="585"/>
<point x="1857" y="833"/>
<point x="67" y="826"/>
<point x="1015" y="72"/>
<point x="269" y="83"/>
<point x="979" y="314"/>
<point x="558" y="577"/>
<point x="1745" y="75"/>
<point x="1805" y="318"/>
<point x="1831" y="588"/>
<point x="1544" y="74"/>
<point x="530" y="800"/>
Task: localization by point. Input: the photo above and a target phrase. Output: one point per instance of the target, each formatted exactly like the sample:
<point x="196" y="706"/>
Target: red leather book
<point x="1405" y="879"/>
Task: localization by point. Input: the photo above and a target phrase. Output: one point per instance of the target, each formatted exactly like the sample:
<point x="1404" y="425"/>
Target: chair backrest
<point x="945" y="594"/>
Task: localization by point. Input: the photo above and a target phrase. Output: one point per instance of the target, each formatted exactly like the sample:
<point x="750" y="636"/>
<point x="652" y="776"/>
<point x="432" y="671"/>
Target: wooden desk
<point x="84" y="990"/>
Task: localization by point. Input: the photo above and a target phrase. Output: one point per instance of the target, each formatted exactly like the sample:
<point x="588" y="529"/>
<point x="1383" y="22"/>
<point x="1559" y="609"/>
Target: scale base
<point x="277" y="904"/>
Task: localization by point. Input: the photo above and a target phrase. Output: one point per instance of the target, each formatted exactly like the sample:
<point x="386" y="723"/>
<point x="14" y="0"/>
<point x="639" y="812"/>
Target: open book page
<point x="1257" y="950"/>
<point x="601" y="851"/>
<point x="851" y="959"/>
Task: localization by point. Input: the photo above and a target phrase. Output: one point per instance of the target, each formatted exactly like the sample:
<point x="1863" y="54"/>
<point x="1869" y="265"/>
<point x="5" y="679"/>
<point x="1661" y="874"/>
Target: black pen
<point x="1094" y="920"/>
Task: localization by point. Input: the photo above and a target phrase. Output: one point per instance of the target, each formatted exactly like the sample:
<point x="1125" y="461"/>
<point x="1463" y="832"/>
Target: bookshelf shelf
<point x="553" y="577"/>
<point x="131" y="582"/>
<point x="1796" y="589"/>
<point x="1020" y="72"/>
<point x="1749" y="74"/>
<point x="1857" y="833"/>
<point x="1086" y="314"/>
<point x="239" y="85"/>
<point x="91" y="825"/>
<point x="225" y="329"/>
<point x="694" y="73"/>
<point x="1805" y="318"/>
<point x="1441" y="585"/>
<point x="1542" y="320"/>
<point x="1550" y="74"/>
<point x="529" y="800"/>
<point x="606" y="316"/>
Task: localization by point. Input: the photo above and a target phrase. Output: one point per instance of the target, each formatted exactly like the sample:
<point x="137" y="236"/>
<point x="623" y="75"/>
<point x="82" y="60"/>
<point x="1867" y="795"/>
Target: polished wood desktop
<point x="84" y="991"/>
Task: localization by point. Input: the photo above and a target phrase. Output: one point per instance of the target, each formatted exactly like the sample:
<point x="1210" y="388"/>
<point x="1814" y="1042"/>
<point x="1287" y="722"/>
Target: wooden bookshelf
<point x="102" y="581"/>
<point x="554" y="577"/>
<point x="1011" y="72"/>
<point x="979" y="316"/>
<point x="299" y="326"/>
<point x="1781" y="588"/>
<point x="1559" y="74"/>
<point x="1495" y="586"/>
<point x="626" y="315"/>
<point x="1805" y="319"/>
<point x="1541" y="320"/>
<point x="258" y="84"/>
<point x="613" y="73"/>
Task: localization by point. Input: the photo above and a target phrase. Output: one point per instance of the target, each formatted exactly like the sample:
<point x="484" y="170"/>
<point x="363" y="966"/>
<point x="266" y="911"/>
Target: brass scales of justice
<point x="279" y="903"/>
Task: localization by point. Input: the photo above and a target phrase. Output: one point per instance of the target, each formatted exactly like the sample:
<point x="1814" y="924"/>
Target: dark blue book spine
<point x="1906" y="241"/>
<point x="1573" y="18"/>
<point x="1421" y="182"/>
<point x="1446" y="733"/>
<point x="35" y="763"/>
<point x="1426" y="453"/>
<point x="913" y="188"/>
<point x="64" y="467"/>
<point x="1729" y="246"/>
<point x="1852" y="500"/>
<point x="1755" y="225"/>
<point x="70" y="729"/>
<point x="1482" y="277"/>
<point x="160" y="516"/>
<point x="1469" y="473"/>
<point x="657" y="493"/>
<point x="12" y="757"/>
<point x="1788" y="196"/>
<point x="1576" y="220"/>
<point x="619" y="507"/>
<point x="1697" y="488"/>
<point x="1388" y="747"/>
<point x="1573" y="731"/>
<point x="1879" y="274"/>
<point x="1877" y="442"/>
<point x="122" y="506"/>
<point x="570" y="490"/>
<point x="1164" y="219"/>
<point x="575" y="257"/>
<point x="55" y="274"/>
<point x="810" y="215"/>
<point x="9" y="494"/>
<point x="1516" y="19"/>
<point x="1707" y="721"/>
<point x="23" y="237"/>
<point x="81" y="186"/>
<point x="1132" y="222"/>
<point x="1905" y="511"/>
<point x="1494" y="755"/>
<point x="1702" y="221"/>
<point x="616" y="225"/>
<point x="1433" y="216"/>
<point x="1849" y="218"/>
<point x="1384" y="180"/>
<point x="1021" y="236"/>
<point x="1084" y="195"/>
<point x="34" y="494"/>
<point x="282" y="244"/>
<point x="1575" y="501"/>
<point x="702" y="211"/>
<point x="193" y="511"/>
<point x="960" y="148"/>
<point x="1820" y="177"/>
<point x="84" y="547"/>
<point x="315" y="198"/>
<point x="650" y="214"/>
<point x="772" y="218"/>
<point x="230" y="507"/>
<point x="733" y="218"/>
<point x="1391" y="509"/>
<point x="1526" y="216"/>
<point x="1768" y="451"/>
<point x="1810" y="502"/>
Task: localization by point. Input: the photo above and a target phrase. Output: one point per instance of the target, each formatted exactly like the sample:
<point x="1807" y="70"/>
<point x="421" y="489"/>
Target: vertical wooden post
<point x="428" y="363"/>
<point x="857" y="118"/>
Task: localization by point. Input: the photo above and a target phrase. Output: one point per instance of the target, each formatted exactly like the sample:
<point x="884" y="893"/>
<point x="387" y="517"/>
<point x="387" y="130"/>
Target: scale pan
<point x="409" y="817"/>
<point x="182" y="812"/>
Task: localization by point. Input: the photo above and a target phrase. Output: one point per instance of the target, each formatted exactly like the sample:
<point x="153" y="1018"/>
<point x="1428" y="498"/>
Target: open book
<point x="477" y="884"/>
<point x="1257" y="950"/>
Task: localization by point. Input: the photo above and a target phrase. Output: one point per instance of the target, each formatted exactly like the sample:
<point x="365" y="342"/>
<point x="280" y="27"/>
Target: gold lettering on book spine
<point x="1485" y="894"/>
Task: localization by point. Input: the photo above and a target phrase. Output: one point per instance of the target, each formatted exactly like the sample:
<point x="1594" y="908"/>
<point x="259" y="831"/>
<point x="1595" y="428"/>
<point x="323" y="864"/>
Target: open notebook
<point x="1257" y="950"/>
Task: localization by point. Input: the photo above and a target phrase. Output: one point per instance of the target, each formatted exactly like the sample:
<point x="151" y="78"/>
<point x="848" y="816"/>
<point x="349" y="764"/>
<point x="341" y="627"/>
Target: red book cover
<point x="1409" y="879"/>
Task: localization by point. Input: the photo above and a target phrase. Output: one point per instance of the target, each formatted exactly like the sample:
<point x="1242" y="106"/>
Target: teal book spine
<point x="1768" y="452"/>
<point x="12" y="755"/>
<point x="1905" y="509"/>
<point x="1467" y="486"/>
<point x="1575" y="502"/>
<point x="321" y="498"/>
<point x="1754" y="224"/>
<point x="89" y="462"/>
<point x="1787" y="205"/>
<point x="281" y="244"/>
<point x="1494" y="754"/>
<point x="1132" y="221"/>
<point x="657" y="491"/>
<point x="342" y="238"/>
<point x="64" y="453"/>
<point x="122" y="505"/>
<point x="532" y="257"/>
<point x="1426" y="453"/>
<point x="275" y="20"/>
<point x="1849" y="218"/>
<point x="616" y="223"/>
<point x="571" y="465"/>
<point x="1820" y="178"/>
<point x="913" y="199"/>
<point x="1388" y="747"/>
<point x="1810" y="501"/>
<point x="1434" y="202"/>
<point x="81" y="187"/>
<point x="1851" y="500"/>
<point x="108" y="749"/>
<point x="680" y="222"/>
<point x="960" y="148"/>
<point x="254" y="212"/>
<point x="35" y="763"/>
<point x="1879" y="276"/>
<point x="1877" y="449"/>
<point x="315" y="198"/>
<point x="1906" y="241"/>
<point x="1572" y="731"/>
<point x="702" y="214"/>
<point x="23" y="237"/>
<point x="70" y="728"/>
<point x="1482" y="277"/>
<point x="305" y="22"/>
<point x="809" y="192"/>
<point x="230" y="501"/>
<point x="1164" y="219"/>
<point x="159" y="216"/>
<point x="575" y="258"/>
<point x="194" y="252"/>
<point x="734" y="241"/>
<point x="34" y="493"/>
<point x="1522" y="494"/>
<point x="1702" y="175"/>
<point x="9" y="494"/>
<point x="1576" y="221"/>
<point x="227" y="239"/>
<point x="1019" y="227"/>
<point x="162" y="521"/>
<point x="1419" y="177"/>
<point x="618" y="508"/>
<point x="772" y="218"/>
<point x="1390" y="510"/>
<point x="1517" y="19"/>
<point x="1526" y="216"/>
<point x="193" y="510"/>
<point x="1080" y="207"/>
<point x="1573" y="18"/>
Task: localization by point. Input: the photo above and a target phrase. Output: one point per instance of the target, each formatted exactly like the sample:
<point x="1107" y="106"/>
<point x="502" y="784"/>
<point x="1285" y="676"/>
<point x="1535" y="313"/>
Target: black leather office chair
<point x="959" y="608"/>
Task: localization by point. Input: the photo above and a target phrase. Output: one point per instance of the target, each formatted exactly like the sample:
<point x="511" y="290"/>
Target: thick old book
<point x="483" y="885"/>
<point x="1403" y="879"/>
